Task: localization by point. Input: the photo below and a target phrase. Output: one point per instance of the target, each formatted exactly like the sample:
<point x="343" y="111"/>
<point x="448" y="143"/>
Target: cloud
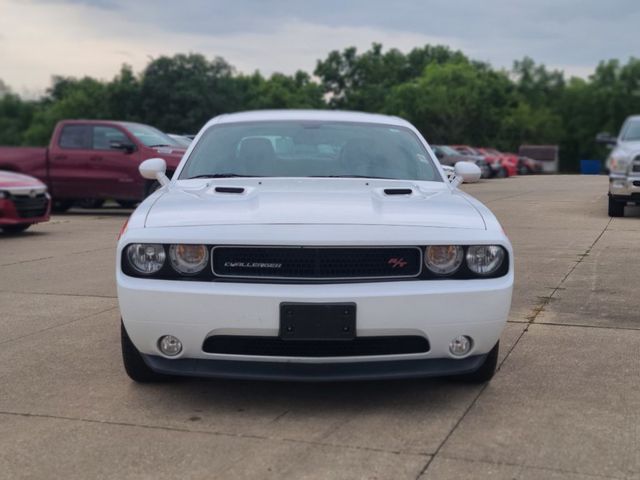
<point x="94" y="37"/>
<point x="61" y="39"/>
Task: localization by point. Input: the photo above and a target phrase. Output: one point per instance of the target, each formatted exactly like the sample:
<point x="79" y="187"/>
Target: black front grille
<point x="312" y="263"/>
<point x="30" y="207"/>
<point x="276" y="347"/>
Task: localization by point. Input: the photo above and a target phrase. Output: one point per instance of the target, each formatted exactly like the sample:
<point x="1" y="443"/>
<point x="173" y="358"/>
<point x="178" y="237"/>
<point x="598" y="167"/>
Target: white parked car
<point x="311" y="245"/>
<point x="624" y="166"/>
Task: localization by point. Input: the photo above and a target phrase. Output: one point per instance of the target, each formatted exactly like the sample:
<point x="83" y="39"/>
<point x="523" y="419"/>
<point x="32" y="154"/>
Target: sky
<point x="41" y="38"/>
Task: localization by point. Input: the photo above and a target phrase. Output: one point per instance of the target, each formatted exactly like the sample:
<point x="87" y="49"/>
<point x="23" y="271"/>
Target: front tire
<point x="90" y="202"/>
<point x="61" y="206"/>
<point x="127" y="203"/>
<point x="616" y="207"/>
<point x="15" y="228"/>
<point x="524" y="170"/>
<point x="134" y="364"/>
<point x="486" y="371"/>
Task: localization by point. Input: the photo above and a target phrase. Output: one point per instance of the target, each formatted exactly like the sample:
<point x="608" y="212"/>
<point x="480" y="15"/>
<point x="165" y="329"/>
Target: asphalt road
<point x="564" y="404"/>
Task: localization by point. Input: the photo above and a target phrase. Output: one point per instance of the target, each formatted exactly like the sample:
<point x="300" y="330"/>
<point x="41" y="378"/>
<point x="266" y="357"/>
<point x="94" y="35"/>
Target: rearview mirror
<point x="606" y="138"/>
<point x="467" y="172"/>
<point x="154" y="169"/>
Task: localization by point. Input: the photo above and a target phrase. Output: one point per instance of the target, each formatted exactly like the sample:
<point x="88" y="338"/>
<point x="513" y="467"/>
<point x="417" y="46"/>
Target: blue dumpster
<point x="590" y="167"/>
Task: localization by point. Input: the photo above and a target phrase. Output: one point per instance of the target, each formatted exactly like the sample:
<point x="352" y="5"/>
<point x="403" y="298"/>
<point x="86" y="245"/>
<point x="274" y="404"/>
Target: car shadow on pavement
<point x="213" y="396"/>
<point x="103" y="212"/>
<point x="25" y="235"/>
<point x="632" y="211"/>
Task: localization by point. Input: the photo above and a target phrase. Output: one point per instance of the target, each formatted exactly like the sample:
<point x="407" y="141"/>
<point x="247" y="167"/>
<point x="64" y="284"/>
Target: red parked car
<point x="23" y="201"/>
<point x="497" y="169"/>
<point x="89" y="161"/>
<point x="508" y="161"/>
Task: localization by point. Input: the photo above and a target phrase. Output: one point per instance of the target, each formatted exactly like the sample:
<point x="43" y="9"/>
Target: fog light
<point x="460" y="345"/>
<point x="170" y="345"/>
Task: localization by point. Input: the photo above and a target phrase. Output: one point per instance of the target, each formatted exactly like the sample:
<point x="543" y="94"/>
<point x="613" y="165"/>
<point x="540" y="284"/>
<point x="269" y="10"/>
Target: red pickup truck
<point x="89" y="161"/>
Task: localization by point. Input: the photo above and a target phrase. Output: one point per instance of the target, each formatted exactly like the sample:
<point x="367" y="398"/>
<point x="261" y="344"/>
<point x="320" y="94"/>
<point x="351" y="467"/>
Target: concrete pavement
<point x="564" y="404"/>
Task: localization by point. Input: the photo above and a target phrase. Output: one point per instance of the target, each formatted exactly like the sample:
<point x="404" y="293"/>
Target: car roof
<point x="310" y="115"/>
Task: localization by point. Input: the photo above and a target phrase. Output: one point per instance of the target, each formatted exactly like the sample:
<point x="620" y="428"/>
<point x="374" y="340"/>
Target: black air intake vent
<point x="30" y="207"/>
<point x="229" y="190"/>
<point x="398" y="191"/>
<point x="276" y="347"/>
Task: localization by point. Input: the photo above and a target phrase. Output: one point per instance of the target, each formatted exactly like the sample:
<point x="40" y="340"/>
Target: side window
<point x="103" y="136"/>
<point x="75" y="137"/>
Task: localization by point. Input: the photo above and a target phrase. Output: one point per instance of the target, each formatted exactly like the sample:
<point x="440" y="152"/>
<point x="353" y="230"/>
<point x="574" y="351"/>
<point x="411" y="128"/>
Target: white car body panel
<point x="312" y="201"/>
<point x="313" y="212"/>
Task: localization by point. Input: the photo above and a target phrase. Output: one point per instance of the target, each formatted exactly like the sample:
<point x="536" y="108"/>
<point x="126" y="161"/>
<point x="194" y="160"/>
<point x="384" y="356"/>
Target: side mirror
<point x="467" y="172"/>
<point x="606" y="139"/>
<point x="154" y="169"/>
<point x="126" y="147"/>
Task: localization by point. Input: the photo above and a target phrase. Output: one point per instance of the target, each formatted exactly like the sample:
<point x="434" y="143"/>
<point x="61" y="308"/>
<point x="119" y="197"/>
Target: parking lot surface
<point x="564" y="404"/>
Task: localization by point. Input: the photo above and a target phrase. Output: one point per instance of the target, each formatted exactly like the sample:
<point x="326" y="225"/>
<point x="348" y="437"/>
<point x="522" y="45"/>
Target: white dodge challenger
<point x="311" y="245"/>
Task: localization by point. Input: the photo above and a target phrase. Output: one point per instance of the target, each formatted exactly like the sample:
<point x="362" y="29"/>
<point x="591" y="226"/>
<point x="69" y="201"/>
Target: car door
<point x="69" y="171"/>
<point x="114" y="163"/>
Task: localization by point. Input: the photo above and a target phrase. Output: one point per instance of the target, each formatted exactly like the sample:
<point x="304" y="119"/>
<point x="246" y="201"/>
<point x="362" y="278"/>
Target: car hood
<point x="11" y="179"/>
<point x="312" y="201"/>
<point x="172" y="155"/>
<point x="629" y="147"/>
<point x="170" y="150"/>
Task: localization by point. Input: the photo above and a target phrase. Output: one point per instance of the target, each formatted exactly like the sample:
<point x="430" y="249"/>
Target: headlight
<point x="146" y="258"/>
<point x="443" y="259"/>
<point x="484" y="259"/>
<point x="188" y="259"/>
<point x="3" y="194"/>
<point x="618" y="163"/>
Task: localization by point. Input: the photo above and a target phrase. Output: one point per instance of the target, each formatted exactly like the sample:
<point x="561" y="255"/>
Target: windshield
<point x="631" y="131"/>
<point x="310" y="149"/>
<point x="180" y="139"/>
<point x="150" y="136"/>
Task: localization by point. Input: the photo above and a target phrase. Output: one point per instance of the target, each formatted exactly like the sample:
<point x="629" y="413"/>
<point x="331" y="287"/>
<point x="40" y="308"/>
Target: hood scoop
<point x="236" y="190"/>
<point x="398" y="191"/>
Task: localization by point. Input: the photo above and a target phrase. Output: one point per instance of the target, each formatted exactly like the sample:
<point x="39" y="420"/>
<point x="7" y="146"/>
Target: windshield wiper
<point x="220" y="175"/>
<point x="161" y="145"/>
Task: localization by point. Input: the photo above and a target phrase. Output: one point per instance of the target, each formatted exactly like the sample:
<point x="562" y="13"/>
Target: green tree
<point x="15" y="117"/>
<point x="525" y="124"/>
<point x="180" y="93"/>
<point x="123" y="96"/>
<point x="68" y="98"/>
<point x="282" y="91"/>
<point x="363" y="81"/>
<point x="454" y="103"/>
<point x="536" y="84"/>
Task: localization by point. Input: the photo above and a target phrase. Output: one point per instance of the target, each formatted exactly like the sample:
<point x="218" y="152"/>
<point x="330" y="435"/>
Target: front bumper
<point x="9" y="214"/>
<point x="192" y="311"/>
<point x="623" y="187"/>
<point x="326" y="372"/>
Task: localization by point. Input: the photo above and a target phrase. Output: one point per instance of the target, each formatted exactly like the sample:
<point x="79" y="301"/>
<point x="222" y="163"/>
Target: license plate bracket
<point x="317" y="321"/>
